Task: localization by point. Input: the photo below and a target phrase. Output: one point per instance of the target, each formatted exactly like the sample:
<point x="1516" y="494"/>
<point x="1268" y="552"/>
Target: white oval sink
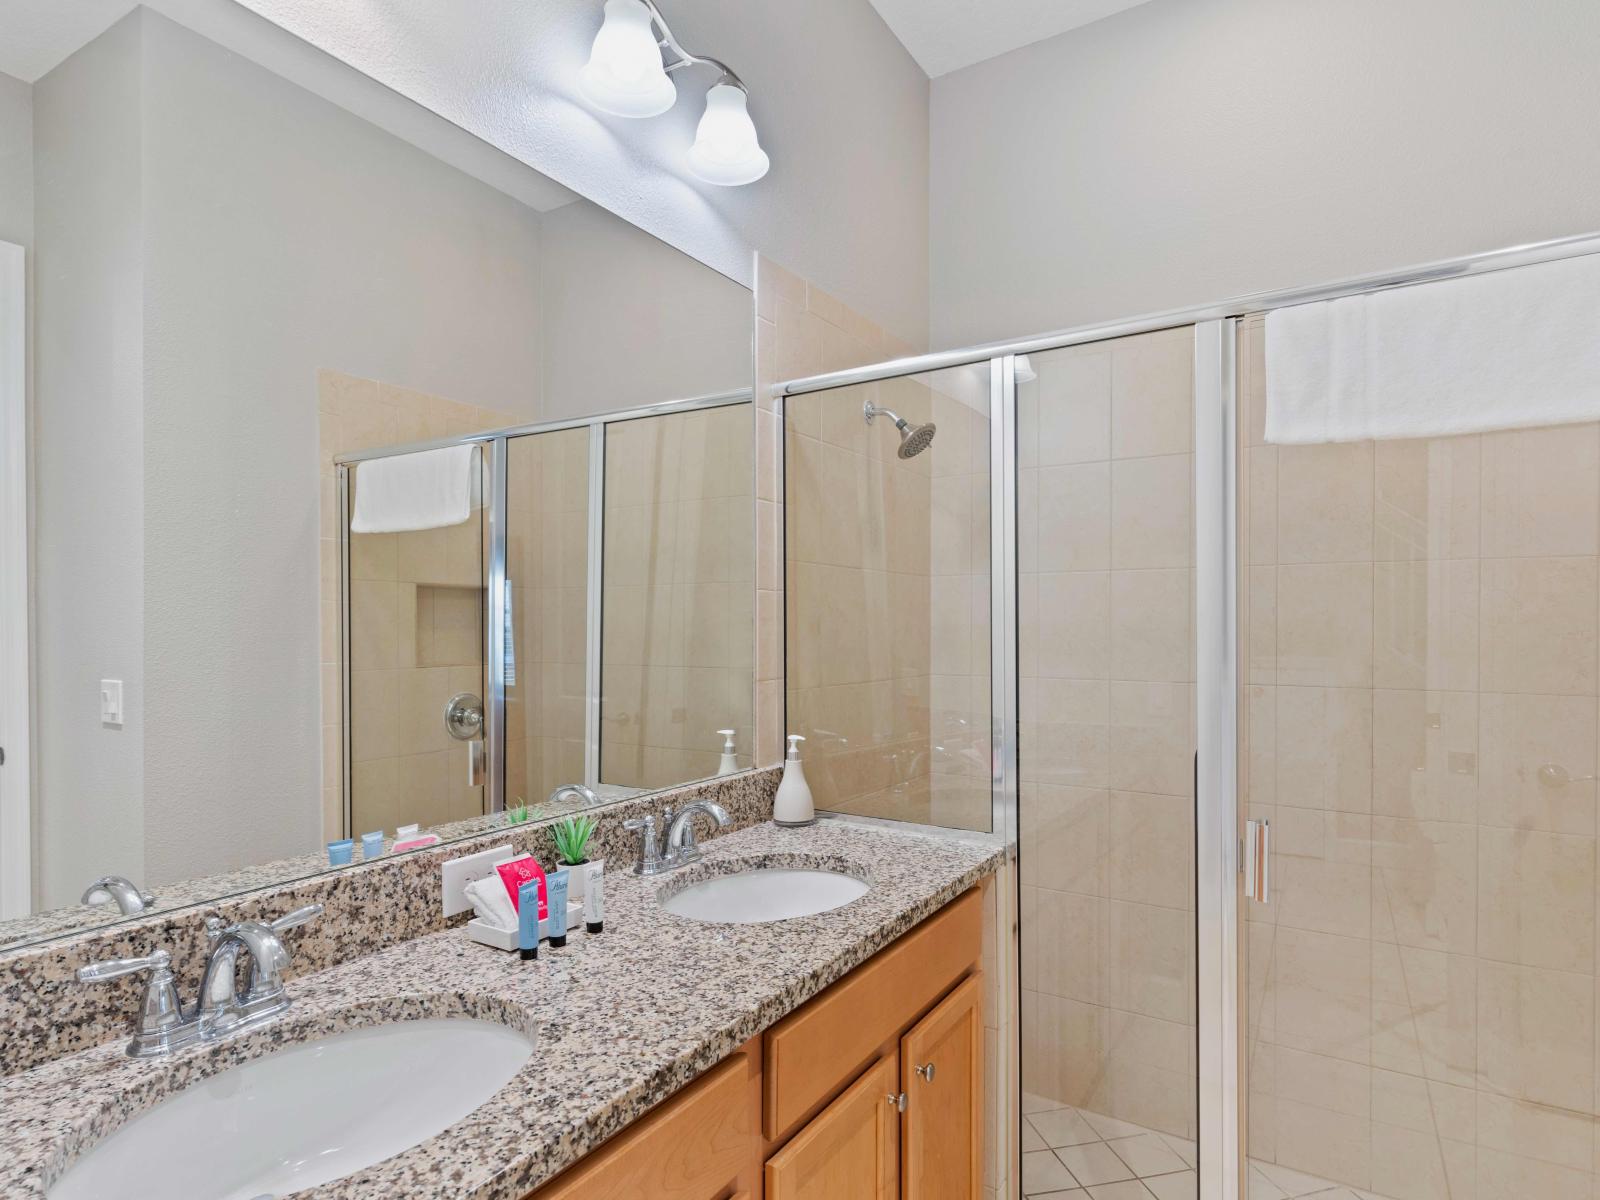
<point x="308" y="1114"/>
<point x="764" y="894"/>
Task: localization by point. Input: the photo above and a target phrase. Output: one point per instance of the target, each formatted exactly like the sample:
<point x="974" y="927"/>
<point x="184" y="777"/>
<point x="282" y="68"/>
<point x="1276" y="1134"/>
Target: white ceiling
<point x="946" y="35"/>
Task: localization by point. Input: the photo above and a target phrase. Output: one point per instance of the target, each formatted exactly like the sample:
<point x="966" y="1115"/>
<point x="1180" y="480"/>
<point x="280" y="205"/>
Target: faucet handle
<point x="161" y="1025"/>
<point x="158" y="961"/>
<point x="649" y="849"/>
<point x="298" y="917"/>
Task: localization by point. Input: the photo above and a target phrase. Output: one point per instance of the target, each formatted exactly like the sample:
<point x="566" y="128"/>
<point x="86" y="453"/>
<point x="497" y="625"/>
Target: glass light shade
<point x="725" y="149"/>
<point x="624" y="75"/>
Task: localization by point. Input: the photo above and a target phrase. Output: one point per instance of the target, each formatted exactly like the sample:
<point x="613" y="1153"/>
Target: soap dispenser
<point x="793" y="805"/>
<point x="730" y="761"/>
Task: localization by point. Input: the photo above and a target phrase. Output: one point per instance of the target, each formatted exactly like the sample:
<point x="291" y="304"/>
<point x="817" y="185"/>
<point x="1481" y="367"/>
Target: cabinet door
<point x="941" y="1073"/>
<point x="850" y="1150"/>
<point x="701" y="1144"/>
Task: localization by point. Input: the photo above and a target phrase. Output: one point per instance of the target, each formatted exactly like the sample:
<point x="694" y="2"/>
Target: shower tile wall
<point x="800" y="330"/>
<point x="412" y="619"/>
<point x="678" y="623"/>
<point x="547" y="565"/>
<point x="1421" y="729"/>
<point x="860" y="597"/>
<point x="888" y="574"/>
<point x="1106" y="669"/>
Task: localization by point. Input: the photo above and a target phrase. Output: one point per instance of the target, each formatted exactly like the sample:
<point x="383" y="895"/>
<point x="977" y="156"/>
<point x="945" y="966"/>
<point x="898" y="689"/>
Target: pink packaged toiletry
<point x="519" y="871"/>
<point x="416" y="843"/>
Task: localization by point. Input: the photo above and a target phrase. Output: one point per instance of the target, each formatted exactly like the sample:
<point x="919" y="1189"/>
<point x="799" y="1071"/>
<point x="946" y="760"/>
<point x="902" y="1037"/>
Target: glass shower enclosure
<point x="1296" y="746"/>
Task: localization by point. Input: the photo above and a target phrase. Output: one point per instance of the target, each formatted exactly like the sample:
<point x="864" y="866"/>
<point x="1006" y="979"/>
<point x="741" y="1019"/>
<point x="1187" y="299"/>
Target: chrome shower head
<point x="914" y="439"/>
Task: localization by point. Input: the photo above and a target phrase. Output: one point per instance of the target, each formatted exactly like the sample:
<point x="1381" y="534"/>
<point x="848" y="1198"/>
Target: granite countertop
<point x="621" y="1020"/>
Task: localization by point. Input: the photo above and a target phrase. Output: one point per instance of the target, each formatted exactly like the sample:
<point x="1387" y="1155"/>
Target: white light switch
<point x="111" y="702"/>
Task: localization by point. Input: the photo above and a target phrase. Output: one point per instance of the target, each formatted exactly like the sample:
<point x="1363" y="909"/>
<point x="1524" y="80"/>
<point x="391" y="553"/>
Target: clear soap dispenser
<point x="793" y="805"/>
<point x="730" y="761"/>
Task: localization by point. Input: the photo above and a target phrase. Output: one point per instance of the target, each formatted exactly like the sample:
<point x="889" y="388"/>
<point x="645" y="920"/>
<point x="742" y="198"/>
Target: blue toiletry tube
<point x="556" y="887"/>
<point x="372" y="844"/>
<point x="528" y="920"/>
<point x="340" y="853"/>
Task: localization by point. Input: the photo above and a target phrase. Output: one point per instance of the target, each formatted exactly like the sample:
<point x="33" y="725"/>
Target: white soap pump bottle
<point x="730" y="760"/>
<point x="793" y="805"/>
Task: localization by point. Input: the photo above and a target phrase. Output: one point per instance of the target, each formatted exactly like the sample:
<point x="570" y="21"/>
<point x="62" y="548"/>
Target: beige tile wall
<point x="860" y="601"/>
<point x="416" y="633"/>
<point x="1422" y="629"/>
<point x="547" y="564"/>
<point x="1106" y="658"/>
<point x="800" y="331"/>
<point x="678" y="619"/>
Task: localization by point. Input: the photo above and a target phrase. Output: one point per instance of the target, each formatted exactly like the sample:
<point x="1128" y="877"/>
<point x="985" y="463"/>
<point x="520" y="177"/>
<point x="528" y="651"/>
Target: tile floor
<point x="1074" y="1154"/>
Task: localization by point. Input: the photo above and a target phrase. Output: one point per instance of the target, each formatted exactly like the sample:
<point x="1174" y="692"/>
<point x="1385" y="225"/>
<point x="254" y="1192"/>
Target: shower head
<point x="914" y="439"/>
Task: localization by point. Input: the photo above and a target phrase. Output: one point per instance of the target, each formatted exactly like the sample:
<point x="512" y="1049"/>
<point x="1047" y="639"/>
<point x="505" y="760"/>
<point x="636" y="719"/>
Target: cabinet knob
<point x="926" y="1072"/>
<point x="897" y="1100"/>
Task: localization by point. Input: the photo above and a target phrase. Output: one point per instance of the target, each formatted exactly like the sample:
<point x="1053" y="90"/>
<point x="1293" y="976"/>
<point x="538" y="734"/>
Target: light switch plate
<point x="458" y="872"/>
<point x="111" y="702"/>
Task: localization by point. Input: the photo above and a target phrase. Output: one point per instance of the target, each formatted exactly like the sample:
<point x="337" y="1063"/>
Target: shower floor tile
<point x="1074" y="1154"/>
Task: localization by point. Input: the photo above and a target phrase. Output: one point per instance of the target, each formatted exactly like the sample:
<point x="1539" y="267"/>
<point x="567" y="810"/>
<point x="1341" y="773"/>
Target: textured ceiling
<point x="946" y="35"/>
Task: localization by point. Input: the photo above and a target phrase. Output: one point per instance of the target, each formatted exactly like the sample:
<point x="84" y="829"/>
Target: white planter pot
<point x="578" y="876"/>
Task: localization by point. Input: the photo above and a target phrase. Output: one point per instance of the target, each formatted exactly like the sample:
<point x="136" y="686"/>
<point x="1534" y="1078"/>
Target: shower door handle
<point x="1255" y="862"/>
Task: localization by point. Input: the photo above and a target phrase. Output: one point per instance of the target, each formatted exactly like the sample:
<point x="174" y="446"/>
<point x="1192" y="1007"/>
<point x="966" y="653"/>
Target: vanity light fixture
<point x="629" y="75"/>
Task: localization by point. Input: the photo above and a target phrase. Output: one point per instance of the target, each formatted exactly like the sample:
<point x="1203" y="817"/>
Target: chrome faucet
<point x="129" y="897"/>
<point x="165" y="1025"/>
<point x="681" y="846"/>
<point x="573" y="789"/>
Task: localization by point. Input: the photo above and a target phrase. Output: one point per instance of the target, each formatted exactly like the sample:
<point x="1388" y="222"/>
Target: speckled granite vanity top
<point x="623" y="1019"/>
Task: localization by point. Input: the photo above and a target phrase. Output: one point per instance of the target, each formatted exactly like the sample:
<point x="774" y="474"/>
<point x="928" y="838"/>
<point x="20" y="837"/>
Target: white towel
<point x="1502" y="350"/>
<point x="425" y="490"/>
<point x="491" y="903"/>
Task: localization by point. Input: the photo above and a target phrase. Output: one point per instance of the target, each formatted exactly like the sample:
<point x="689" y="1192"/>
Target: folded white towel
<point x="491" y="902"/>
<point x="425" y="490"/>
<point x="1501" y="350"/>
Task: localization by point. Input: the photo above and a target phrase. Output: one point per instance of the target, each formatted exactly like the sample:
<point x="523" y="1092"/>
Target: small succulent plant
<point x="572" y="834"/>
<point x="519" y="814"/>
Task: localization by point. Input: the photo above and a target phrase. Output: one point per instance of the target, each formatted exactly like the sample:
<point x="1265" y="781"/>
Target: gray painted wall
<point x="628" y="320"/>
<point x="88" y="458"/>
<point x="1190" y="150"/>
<point x="16" y="162"/>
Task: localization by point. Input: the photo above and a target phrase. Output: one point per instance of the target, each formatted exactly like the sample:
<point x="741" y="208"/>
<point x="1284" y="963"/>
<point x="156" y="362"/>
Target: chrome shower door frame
<point x="1217" y="958"/>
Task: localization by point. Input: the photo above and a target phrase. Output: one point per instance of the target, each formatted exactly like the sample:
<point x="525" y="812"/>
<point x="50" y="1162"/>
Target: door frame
<point x="16" y="789"/>
<point x="1216" y="609"/>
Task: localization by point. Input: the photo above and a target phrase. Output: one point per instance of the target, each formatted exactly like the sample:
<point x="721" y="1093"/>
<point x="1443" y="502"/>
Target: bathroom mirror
<point x="376" y="478"/>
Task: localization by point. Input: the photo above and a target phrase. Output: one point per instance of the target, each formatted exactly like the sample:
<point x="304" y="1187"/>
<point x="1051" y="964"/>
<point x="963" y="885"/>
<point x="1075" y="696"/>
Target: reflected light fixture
<point x="629" y="75"/>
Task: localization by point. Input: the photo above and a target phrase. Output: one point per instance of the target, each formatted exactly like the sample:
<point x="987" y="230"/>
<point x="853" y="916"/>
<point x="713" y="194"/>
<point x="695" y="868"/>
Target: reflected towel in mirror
<point x="425" y="490"/>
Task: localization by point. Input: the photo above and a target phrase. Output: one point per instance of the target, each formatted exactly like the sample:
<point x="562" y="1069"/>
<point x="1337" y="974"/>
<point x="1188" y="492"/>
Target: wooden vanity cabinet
<point x="701" y="1144"/>
<point x="872" y="1090"/>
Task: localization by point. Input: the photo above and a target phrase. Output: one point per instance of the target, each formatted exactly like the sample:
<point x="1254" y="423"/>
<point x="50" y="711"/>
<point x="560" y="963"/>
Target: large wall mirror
<point x="376" y="479"/>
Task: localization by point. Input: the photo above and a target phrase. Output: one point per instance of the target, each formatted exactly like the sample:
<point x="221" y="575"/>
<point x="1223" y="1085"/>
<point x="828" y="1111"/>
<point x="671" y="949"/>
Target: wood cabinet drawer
<point x="813" y="1053"/>
<point x="698" y="1145"/>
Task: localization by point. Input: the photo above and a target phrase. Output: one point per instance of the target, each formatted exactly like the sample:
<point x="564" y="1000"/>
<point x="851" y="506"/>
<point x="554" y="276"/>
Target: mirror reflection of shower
<point x="914" y="439"/>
